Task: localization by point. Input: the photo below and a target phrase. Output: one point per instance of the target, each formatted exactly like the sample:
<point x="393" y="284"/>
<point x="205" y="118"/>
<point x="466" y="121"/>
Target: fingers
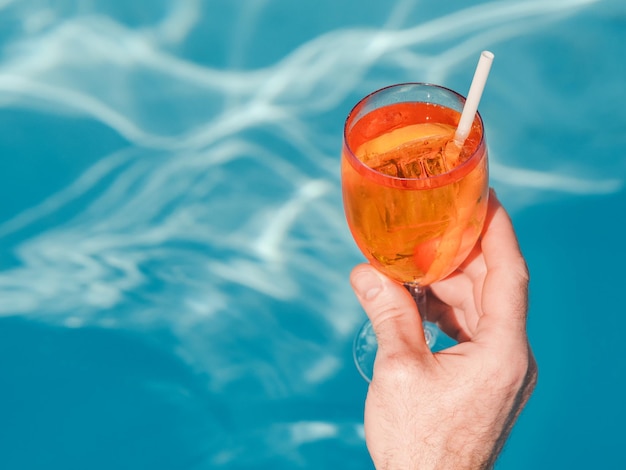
<point x="451" y="307"/>
<point x="392" y="311"/>
<point x="462" y="291"/>
<point x="489" y="292"/>
<point x="505" y="290"/>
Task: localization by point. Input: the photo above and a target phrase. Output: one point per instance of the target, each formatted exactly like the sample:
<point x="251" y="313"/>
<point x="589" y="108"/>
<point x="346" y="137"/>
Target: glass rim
<point x="415" y="183"/>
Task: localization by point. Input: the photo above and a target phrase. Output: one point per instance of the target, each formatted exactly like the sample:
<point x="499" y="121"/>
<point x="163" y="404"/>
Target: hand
<point x="452" y="409"/>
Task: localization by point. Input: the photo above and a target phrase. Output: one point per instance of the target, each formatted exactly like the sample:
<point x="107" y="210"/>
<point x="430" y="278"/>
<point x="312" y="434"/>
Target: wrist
<point x="441" y="456"/>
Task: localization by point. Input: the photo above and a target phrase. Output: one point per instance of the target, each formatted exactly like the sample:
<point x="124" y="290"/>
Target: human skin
<point x="454" y="408"/>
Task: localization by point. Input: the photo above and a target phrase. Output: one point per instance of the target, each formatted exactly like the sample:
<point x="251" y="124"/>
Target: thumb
<point x="392" y="311"/>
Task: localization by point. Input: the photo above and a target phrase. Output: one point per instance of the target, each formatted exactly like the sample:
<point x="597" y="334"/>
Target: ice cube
<point x="435" y="165"/>
<point x="388" y="168"/>
<point x="410" y="168"/>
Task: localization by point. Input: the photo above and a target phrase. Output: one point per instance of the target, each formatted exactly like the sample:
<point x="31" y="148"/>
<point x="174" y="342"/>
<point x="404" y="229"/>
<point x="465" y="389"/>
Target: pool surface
<point x="173" y="253"/>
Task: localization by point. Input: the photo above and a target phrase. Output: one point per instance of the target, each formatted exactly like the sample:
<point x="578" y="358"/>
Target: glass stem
<point x="419" y="296"/>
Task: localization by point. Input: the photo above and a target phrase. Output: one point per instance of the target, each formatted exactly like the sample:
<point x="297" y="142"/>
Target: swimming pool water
<point x="173" y="253"/>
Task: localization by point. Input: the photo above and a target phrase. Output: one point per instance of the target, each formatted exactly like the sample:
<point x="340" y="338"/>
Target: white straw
<point x="473" y="97"/>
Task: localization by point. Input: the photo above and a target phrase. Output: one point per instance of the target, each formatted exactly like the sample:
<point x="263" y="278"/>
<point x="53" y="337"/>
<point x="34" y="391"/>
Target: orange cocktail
<point x="415" y="202"/>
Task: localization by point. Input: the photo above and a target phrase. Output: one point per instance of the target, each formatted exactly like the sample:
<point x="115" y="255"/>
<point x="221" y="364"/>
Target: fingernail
<point x="367" y="285"/>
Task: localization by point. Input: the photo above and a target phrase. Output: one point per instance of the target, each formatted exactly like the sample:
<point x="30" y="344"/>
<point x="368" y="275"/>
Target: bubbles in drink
<point x="415" y="151"/>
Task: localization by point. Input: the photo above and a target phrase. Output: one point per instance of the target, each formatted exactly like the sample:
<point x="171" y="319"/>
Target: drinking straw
<point x="473" y="97"/>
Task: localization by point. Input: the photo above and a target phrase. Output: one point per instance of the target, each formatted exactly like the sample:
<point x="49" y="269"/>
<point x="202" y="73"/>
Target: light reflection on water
<point x="215" y="212"/>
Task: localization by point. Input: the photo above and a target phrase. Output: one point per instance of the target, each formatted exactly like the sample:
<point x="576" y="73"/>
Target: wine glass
<point x="415" y="201"/>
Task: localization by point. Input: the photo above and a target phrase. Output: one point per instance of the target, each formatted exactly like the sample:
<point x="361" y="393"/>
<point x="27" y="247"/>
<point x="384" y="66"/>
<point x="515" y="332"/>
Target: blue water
<point x="173" y="253"/>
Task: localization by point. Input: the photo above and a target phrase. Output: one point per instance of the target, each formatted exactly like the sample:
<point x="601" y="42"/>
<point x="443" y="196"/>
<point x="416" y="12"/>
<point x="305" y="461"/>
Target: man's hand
<point x="452" y="409"/>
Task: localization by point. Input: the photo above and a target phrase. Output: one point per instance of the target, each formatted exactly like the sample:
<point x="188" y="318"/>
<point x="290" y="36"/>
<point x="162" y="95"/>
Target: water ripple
<point x="220" y="213"/>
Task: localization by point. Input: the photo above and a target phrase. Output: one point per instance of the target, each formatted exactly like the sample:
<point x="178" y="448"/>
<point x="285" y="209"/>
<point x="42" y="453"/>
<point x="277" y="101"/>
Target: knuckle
<point x="519" y="296"/>
<point x="387" y="312"/>
<point x="518" y="370"/>
<point x="397" y="370"/>
<point x="386" y="315"/>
